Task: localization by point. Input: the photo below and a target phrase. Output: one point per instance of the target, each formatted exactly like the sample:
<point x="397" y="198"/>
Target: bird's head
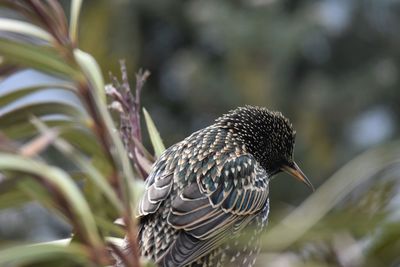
<point x="268" y="136"/>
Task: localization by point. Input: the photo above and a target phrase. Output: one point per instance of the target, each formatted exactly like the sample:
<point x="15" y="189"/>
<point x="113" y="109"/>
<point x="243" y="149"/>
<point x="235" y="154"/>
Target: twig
<point x="128" y="107"/>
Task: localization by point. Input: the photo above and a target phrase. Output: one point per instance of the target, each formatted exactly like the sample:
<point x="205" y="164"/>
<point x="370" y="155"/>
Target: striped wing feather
<point x="158" y="187"/>
<point x="218" y="205"/>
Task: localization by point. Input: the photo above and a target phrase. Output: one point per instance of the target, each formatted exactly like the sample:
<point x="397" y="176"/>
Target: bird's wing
<point x="158" y="186"/>
<point x="224" y="200"/>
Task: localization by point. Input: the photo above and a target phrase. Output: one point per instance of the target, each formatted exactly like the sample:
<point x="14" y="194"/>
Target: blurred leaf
<point x="93" y="174"/>
<point x="65" y="186"/>
<point x="85" y="137"/>
<point x="146" y="153"/>
<point x="11" y="195"/>
<point x="23" y="130"/>
<point x="23" y="91"/>
<point x="91" y="70"/>
<point x="143" y="162"/>
<point x="19" y="255"/>
<point x="154" y="135"/>
<point x="120" y="157"/>
<point x="35" y="191"/>
<point x="20" y="188"/>
<point x="111" y="228"/>
<point x="22" y="113"/>
<point x="82" y="139"/>
<point x="335" y="189"/>
<point x="41" y="58"/>
<point x="38" y="144"/>
<point x="74" y="18"/>
<point x="386" y="245"/>
<point x="25" y="28"/>
<point x="98" y="183"/>
<point x="137" y="187"/>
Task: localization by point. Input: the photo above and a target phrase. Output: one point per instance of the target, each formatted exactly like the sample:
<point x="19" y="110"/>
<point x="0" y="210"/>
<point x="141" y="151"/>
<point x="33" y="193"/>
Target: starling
<point x="203" y="191"/>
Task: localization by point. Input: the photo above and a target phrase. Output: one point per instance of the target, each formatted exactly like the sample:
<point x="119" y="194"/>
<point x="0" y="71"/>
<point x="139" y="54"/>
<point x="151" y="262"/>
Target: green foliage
<point x="38" y="57"/>
<point x="28" y="254"/>
<point x="351" y="220"/>
<point x="154" y="135"/>
<point x="100" y="187"/>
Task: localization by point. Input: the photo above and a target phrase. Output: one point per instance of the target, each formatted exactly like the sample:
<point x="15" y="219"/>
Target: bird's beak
<point x="295" y="171"/>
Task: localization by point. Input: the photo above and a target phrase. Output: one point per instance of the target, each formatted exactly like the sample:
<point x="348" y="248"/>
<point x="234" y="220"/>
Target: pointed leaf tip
<point x="154" y="135"/>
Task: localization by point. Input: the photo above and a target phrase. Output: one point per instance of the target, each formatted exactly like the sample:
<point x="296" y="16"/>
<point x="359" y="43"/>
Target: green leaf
<point x="20" y="27"/>
<point x="65" y="186"/>
<point x="110" y="227"/>
<point x="92" y="71"/>
<point x="23" y="91"/>
<point x="154" y="135"/>
<point x="22" y="113"/>
<point x="37" y="57"/>
<point x="11" y="195"/>
<point x="23" y="254"/>
<point x="25" y="129"/>
<point x="74" y="19"/>
<point x="34" y="189"/>
<point x="38" y="144"/>
<point x="138" y="187"/>
<point x="386" y="244"/>
<point x="82" y="139"/>
<point x="83" y="163"/>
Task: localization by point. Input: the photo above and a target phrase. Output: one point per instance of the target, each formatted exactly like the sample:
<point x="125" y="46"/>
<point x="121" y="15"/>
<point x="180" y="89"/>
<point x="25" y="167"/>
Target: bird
<point x="205" y="191"/>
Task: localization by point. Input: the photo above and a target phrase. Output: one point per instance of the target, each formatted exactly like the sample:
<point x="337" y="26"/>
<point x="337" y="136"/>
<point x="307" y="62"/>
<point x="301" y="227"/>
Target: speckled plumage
<point x="205" y="189"/>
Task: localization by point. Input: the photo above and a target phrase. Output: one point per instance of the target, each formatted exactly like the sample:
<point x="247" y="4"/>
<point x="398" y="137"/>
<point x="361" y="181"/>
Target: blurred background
<point x="331" y="66"/>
